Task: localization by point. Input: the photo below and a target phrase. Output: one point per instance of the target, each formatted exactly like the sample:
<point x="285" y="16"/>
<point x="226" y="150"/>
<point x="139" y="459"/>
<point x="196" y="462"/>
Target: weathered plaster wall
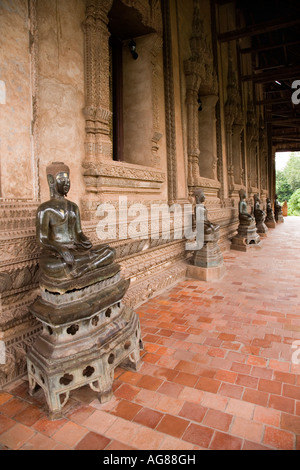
<point x="16" y="160"/>
<point x="61" y="89"/>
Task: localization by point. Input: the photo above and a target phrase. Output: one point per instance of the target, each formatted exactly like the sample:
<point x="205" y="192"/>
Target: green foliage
<point x="292" y="171"/>
<point x="283" y="188"/>
<point x="294" y="203"/>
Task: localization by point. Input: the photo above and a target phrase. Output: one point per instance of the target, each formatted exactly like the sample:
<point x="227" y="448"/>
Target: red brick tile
<point x="5" y="423"/>
<point x="257" y="361"/>
<point x="48" y="427"/>
<point x="186" y="379"/>
<point x="262" y="372"/>
<point x="29" y="415"/>
<point x="222" y="441"/>
<point x="198" y="435"/>
<point x="4" y="397"/>
<point x="282" y="403"/>
<point x="150" y="383"/>
<point x="171" y="389"/>
<point x="247" y="381"/>
<point x="270" y="386"/>
<point x="231" y="391"/>
<point x="254" y="446"/>
<point x="208" y="385"/>
<point x="267" y="415"/>
<point x="39" y="442"/>
<point x="93" y="441"/>
<point x="247" y="429"/>
<point x="240" y="408"/>
<point x="13" y="406"/>
<point x="80" y="414"/>
<point x="226" y="376"/>
<point x="279" y="365"/>
<point x="256" y="396"/>
<point x="242" y="368"/>
<point x="279" y="439"/>
<point x="70" y="434"/>
<point x="126" y="391"/>
<point x="16" y="436"/>
<point x="285" y="377"/>
<point x="116" y="445"/>
<point x="193" y="411"/>
<point x="127" y="410"/>
<point x="291" y="391"/>
<point x="172" y="425"/>
<point x="218" y="420"/>
<point x="290" y="423"/>
<point x="227" y="337"/>
<point x="148" y="417"/>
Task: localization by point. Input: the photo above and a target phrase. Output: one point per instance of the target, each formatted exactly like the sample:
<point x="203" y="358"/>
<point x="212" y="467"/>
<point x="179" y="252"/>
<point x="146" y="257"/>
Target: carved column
<point x="193" y="79"/>
<point x="98" y="145"/>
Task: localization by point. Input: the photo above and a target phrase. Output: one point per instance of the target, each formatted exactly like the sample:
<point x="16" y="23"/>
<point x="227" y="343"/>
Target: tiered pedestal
<point x="86" y="334"/>
<point x="270" y="223"/>
<point x="208" y="263"/>
<point x="279" y="217"/>
<point x="247" y="237"/>
<point x="261" y="228"/>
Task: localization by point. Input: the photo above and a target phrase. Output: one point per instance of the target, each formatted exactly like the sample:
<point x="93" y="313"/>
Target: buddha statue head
<point x="58" y="177"/>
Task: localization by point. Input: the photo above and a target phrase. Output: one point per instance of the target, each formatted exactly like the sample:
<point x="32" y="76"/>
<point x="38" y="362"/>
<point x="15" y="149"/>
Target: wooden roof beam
<point x="270" y="76"/>
<point x="260" y="28"/>
<point x="249" y="50"/>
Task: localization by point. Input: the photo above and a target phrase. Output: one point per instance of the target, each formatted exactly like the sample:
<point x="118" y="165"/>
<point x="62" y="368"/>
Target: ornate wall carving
<point x="200" y="80"/>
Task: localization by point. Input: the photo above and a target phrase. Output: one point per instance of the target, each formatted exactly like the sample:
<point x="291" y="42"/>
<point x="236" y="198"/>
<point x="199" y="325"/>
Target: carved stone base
<point x="262" y="229"/>
<point x="246" y="239"/>
<point x="206" y="274"/>
<point x="270" y="223"/>
<point x="280" y="219"/>
<point x="86" y="335"/>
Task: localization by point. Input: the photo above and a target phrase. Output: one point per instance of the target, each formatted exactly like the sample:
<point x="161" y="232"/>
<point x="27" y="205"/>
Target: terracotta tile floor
<point x="219" y="368"/>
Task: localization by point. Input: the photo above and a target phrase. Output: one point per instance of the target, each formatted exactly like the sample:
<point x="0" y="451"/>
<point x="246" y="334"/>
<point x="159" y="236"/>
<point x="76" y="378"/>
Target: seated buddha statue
<point x="259" y="214"/>
<point x="244" y="216"/>
<point x="66" y="252"/>
<point x="209" y="227"/>
<point x="277" y="209"/>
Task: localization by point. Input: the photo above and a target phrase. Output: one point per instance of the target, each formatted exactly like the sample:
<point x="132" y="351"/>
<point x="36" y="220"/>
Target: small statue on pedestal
<point x="247" y="236"/>
<point x="270" y="220"/>
<point x="278" y="211"/>
<point x="208" y="262"/>
<point x="87" y="332"/>
<point x="260" y="216"/>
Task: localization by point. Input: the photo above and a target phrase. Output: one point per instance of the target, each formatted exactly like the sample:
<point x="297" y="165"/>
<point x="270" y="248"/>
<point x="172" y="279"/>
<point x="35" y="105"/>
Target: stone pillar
<point x="193" y="79"/>
<point x="98" y="144"/>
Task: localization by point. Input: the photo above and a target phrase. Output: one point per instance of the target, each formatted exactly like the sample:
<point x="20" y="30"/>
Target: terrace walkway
<point x="219" y="369"/>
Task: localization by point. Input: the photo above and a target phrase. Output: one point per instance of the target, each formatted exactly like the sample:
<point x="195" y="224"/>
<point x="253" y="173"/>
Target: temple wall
<point x="57" y="106"/>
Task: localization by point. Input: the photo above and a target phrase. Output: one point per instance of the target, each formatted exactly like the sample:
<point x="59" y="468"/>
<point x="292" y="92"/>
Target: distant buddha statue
<point x="259" y="214"/>
<point x="209" y="227"/>
<point x="66" y="252"/>
<point x="278" y="210"/>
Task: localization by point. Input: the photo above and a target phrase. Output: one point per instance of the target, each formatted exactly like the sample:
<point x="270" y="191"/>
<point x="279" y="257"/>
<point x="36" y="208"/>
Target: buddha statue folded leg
<point x="56" y="267"/>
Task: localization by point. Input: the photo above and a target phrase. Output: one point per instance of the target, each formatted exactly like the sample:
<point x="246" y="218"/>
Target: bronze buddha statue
<point x="244" y="216"/>
<point x="209" y="227"/>
<point x="66" y="252"/>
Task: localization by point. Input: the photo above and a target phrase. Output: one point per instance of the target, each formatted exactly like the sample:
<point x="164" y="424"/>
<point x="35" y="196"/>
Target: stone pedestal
<point x="270" y="223"/>
<point x="208" y="263"/>
<point x="247" y="237"/>
<point x="87" y="332"/>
